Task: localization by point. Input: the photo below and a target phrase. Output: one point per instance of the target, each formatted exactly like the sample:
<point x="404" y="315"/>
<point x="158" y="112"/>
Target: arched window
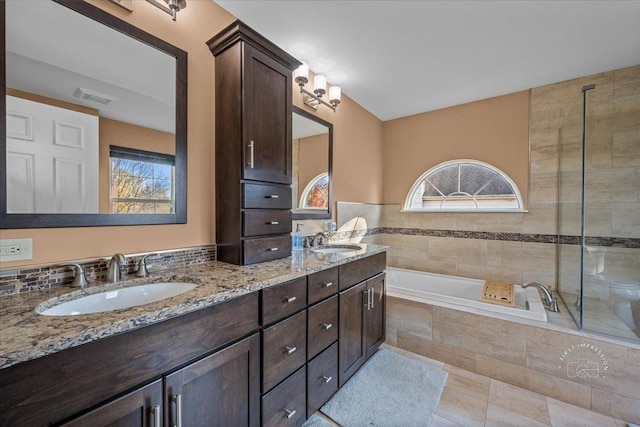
<point x="463" y="185"/>
<point x="316" y="193"/>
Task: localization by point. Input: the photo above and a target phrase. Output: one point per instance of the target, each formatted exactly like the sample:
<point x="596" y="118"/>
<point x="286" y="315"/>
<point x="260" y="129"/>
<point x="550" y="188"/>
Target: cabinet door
<point x="267" y="113"/>
<point x="352" y="352"/>
<point x="375" y="310"/>
<point x="142" y="407"/>
<point x="222" y="389"/>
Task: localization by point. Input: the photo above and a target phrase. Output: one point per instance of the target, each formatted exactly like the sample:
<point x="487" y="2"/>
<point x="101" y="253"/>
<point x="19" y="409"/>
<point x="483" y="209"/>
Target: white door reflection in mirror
<point x="52" y="159"/>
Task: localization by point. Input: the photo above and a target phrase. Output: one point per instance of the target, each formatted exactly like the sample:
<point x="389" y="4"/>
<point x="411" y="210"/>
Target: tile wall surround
<point x="15" y="280"/>
<point x="526" y="354"/>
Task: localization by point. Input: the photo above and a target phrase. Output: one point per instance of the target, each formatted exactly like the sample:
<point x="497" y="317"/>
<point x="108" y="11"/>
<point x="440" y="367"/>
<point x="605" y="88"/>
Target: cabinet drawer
<point x="322" y="378"/>
<point x="285" y="404"/>
<point x="323" y="284"/>
<point x="266" y="249"/>
<point x="284" y="349"/>
<point x="322" y="326"/>
<point x="357" y="271"/>
<point x="260" y="223"/>
<point x="282" y="300"/>
<point x="266" y="196"/>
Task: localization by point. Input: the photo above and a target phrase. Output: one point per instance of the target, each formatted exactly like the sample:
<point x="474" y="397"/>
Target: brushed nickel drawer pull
<point x="372" y="291"/>
<point x="289" y="299"/>
<point x="272" y="223"/>
<point x="327" y="284"/>
<point x="272" y="249"/>
<point x="156" y="416"/>
<point x="290" y="350"/>
<point x="272" y="196"/>
<point x="177" y="399"/>
<point x="289" y="413"/>
<point x="327" y="326"/>
<point x="325" y="378"/>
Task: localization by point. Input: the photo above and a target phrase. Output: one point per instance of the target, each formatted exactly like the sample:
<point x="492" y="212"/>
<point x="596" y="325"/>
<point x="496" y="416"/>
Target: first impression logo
<point x="584" y="360"/>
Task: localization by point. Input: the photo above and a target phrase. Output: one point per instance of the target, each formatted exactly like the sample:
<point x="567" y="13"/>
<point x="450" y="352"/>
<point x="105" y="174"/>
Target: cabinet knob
<point x="272" y="249"/>
<point x="325" y="378"/>
<point x="327" y="326"/>
<point x="327" y="284"/>
<point x="289" y="299"/>
<point x="289" y="413"/>
<point x="290" y="350"/>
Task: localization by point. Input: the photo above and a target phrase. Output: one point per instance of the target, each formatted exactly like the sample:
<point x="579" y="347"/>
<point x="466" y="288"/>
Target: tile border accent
<point x="619" y="242"/>
<point x="15" y="280"/>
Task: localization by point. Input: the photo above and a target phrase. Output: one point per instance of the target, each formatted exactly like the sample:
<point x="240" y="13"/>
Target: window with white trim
<point x="464" y="186"/>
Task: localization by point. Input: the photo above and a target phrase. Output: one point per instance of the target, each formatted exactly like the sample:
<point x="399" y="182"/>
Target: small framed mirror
<point x="312" y="163"/>
<point x="93" y="127"/>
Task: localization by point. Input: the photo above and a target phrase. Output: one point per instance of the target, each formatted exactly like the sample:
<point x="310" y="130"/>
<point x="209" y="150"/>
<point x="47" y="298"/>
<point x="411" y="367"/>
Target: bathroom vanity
<point x="248" y="346"/>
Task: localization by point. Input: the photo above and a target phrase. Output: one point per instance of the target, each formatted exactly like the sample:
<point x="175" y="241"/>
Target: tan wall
<point x="495" y="131"/>
<point x="357" y="149"/>
<point x="114" y="132"/>
<point x="195" y="25"/>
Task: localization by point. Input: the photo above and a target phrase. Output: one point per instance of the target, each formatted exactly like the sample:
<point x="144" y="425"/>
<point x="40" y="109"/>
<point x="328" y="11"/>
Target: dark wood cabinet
<point x="284" y="349"/>
<point x="322" y="378"/>
<point x="285" y="405"/>
<point x="351" y="335"/>
<point x="375" y="314"/>
<point x="253" y="143"/>
<point x="222" y="389"/>
<point x="140" y="408"/>
<point x="322" y="327"/>
<point x="362" y="311"/>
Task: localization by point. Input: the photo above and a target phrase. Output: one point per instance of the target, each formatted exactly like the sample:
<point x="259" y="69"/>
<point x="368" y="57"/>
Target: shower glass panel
<point x="599" y="212"/>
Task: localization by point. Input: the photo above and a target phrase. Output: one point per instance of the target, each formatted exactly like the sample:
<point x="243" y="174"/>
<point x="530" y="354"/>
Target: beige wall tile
<point x="625" y="221"/>
<point x="558" y="388"/>
<point x="502" y="371"/>
<point x="626" y="147"/>
<point x="541" y="219"/>
<point x="564" y="414"/>
<point x="409" y="316"/>
<point x="415" y="344"/>
<point x="499" y="339"/>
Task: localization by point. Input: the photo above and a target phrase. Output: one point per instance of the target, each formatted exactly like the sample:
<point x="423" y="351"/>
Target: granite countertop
<point x="27" y="335"/>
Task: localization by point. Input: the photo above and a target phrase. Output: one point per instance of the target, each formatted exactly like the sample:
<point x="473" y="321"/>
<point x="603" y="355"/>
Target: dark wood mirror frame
<point x="324" y="215"/>
<point x="8" y="221"/>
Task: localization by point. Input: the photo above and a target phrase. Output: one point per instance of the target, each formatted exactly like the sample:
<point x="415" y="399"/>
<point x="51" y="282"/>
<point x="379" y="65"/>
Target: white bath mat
<point x="390" y="390"/>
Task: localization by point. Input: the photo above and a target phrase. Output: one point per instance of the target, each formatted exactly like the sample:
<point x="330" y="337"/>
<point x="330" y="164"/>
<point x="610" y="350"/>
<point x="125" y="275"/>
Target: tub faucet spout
<point x="550" y="302"/>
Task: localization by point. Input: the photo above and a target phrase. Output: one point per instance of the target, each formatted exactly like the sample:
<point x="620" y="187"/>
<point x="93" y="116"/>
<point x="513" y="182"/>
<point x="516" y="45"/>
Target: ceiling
<point x="398" y="58"/>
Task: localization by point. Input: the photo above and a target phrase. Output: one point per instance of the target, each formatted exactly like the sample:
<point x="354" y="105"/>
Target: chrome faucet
<point x="79" y="278"/>
<point x="550" y="302"/>
<point x="113" y="272"/>
<point x="319" y="238"/>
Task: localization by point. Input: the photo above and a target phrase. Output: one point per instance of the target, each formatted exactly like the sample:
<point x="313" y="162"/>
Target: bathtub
<point x="459" y="293"/>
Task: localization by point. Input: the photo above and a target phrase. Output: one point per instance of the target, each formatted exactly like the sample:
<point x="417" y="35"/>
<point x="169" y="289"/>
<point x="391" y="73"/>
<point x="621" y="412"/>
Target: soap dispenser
<point x="297" y="243"/>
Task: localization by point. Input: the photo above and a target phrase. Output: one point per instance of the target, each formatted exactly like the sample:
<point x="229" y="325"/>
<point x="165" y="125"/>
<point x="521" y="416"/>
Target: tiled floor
<point x="470" y="399"/>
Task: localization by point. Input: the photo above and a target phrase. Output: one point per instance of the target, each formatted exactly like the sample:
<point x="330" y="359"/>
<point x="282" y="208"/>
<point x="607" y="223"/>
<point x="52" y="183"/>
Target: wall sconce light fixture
<point x="314" y="99"/>
<point x="172" y="6"/>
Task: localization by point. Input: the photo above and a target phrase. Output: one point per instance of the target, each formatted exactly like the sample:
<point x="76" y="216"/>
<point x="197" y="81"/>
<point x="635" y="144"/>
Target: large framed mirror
<point x="312" y="163"/>
<point x="93" y="127"/>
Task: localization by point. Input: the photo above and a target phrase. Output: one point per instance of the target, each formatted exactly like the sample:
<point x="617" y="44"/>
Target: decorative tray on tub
<point x="498" y="293"/>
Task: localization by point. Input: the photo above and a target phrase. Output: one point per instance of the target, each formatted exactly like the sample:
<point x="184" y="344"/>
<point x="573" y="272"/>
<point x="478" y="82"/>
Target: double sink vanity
<point x="265" y="344"/>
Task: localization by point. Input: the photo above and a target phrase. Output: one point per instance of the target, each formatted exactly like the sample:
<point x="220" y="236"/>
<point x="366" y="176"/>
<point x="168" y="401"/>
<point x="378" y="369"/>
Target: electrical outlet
<point x="15" y="249"/>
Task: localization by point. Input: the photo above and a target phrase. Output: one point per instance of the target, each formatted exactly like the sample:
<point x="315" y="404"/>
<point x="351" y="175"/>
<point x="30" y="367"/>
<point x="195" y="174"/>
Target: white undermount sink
<point x="118" y="298"/>
<point x="336" y="249"/>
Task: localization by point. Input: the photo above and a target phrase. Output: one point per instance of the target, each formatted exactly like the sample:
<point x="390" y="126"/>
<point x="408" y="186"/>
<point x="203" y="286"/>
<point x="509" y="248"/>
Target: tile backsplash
<point x="15" y="280"/>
